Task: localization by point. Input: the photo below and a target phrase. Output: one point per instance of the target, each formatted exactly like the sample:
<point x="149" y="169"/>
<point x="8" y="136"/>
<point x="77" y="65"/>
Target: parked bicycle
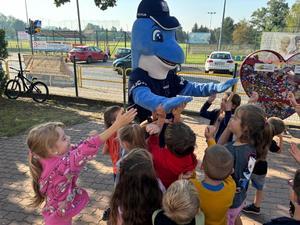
<point x="38" y="90"/>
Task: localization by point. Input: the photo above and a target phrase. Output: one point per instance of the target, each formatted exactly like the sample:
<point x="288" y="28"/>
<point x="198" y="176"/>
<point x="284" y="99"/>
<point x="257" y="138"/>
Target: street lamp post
<point x="26" y="12"/>
<point x="221" y="30"/>
<point x="29" y="25"/>
<point x="79" y="25"/>
<point x="211" y="14"/>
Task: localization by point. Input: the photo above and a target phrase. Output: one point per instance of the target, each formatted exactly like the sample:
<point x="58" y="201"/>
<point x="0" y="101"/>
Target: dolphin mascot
<point x="155" y="55"/>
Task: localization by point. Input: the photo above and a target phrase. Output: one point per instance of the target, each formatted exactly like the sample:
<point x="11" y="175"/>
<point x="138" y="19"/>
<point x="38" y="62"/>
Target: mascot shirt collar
<point x="158" y="11"/>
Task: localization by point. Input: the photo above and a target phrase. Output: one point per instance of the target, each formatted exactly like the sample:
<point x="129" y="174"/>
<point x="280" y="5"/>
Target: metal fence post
<point x="124" y="87"/>
<point x="75" y="76"/>
<point x="234" y="87"/>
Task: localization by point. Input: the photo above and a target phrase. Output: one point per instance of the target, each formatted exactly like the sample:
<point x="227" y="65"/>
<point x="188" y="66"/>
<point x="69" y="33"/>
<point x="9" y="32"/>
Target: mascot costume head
<point x="155" y="56"/>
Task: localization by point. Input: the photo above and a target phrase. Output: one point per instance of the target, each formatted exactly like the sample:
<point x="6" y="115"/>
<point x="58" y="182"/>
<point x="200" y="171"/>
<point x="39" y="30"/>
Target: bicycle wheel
<point x="40" y="92"/>
<point x="12" y="89"/>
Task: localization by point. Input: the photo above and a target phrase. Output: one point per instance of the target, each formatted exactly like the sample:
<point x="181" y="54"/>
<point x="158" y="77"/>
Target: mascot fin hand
<point x="146" y="99"/>
<point x="207" y="89"/>
<point x="172" y="103"/>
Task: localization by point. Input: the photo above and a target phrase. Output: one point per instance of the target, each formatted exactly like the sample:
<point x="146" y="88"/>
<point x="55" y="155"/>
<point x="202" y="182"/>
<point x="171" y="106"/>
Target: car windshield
<point x="220" y="56"/>
<point x="77" y="49"/>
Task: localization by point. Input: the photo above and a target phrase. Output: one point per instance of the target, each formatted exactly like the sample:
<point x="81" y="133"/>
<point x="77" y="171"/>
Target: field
<point x="195" y="54"/>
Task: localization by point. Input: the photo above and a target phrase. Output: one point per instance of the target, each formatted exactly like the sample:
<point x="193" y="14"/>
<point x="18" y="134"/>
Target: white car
<point x="219" y="62"/>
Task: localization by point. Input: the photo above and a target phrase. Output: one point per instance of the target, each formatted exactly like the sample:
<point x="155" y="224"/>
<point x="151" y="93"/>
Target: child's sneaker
<point x="252" y="209"/>
<point x="105" y="215"/>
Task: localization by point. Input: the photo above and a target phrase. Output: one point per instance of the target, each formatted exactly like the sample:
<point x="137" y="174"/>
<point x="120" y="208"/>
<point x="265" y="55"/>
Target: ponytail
<point x="257" y="131"/>
<point x="39" y="140"/>
<point x="263" y="142"/>
<point x="36" y="171"/>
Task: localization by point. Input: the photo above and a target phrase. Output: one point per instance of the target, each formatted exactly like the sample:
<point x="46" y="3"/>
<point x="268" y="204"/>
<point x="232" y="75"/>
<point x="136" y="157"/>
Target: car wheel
<point x="105" y="58"/>
<point x="206" y="71"/>
<point x="89" y="60"/>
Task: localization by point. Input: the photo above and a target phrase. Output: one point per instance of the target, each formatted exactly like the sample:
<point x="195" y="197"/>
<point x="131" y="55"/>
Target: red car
<point x="88" y="54"/>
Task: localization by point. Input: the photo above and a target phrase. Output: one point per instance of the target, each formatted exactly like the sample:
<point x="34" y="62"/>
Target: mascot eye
<point x="157" y="36"/>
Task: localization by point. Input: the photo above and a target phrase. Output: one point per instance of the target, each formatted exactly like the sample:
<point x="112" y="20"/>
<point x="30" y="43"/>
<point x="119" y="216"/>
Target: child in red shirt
<point x="177" y="156"/>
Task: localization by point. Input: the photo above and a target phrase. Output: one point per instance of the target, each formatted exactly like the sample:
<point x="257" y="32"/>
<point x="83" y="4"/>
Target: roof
<point x="221" y="52"/>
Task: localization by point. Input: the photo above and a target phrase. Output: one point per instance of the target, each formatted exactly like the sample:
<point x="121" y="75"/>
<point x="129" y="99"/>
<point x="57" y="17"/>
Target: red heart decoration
<point x="272" y="77"/>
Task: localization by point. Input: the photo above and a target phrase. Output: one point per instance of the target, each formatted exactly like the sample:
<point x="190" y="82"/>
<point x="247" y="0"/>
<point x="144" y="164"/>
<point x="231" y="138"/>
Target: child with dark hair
<point x="220" y="117"/>
<point x="217" y="189"/>
<point x="295" y="199"/>
<point x="180" y="205"/>
<point x="177" y="156"/>
<point x="261" y="166"/>
<point x="112" y="146"/>
<point x="137" y="194"/>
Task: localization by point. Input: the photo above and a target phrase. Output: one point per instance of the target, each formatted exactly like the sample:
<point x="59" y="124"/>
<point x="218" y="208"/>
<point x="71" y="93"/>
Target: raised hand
<point x="295" y="152"/>
<point x="254" y="97"/>
<point x="209" y="132"/>
<point x="212" y="98"/>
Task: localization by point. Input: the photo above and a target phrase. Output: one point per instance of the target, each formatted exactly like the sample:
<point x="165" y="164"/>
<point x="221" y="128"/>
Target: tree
<point x="11" y="25"/>
<point x="272" y="17"/>
<point x="244" y="33"/>
<point x="3" y="54"/>
<point x="228" y="28"/>
<point x="181" y="36"/>
<point x="293" y="18"/>
<point x="102" y="4"/>
<point x="203" y="29"/>
<point x="195" y="28"/>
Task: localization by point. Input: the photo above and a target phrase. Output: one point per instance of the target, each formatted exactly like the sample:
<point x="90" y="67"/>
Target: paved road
<point x="97" y="178"/>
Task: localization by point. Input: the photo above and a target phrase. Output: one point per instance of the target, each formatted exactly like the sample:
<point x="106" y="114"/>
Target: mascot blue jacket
<point x="155" y="56"/>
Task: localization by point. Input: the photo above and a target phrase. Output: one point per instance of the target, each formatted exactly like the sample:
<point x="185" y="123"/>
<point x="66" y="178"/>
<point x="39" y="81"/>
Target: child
<point x="177" y="156"/>
<point x="217" y="189"/>
<point x="137" y="194"/>
<point x="132" y="136"/>
<point x="220" y="117"/>
<point x="295" y="198"/>
<point x="253" y="137"/>
<point x="128" y="137"/>
<point x="55" y="168"/>
<point x="261" y="166"/>
<point x="180" y="205"/>
<point x="294" y="103"/>
<point x="112" y="145"/>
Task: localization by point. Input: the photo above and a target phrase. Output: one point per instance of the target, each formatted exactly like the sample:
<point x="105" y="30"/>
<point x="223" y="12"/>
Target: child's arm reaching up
<point x="121" y="120"/>
<point x="292" y="99"/>
<point x="253" y="98"/>
<point x="224" y="136"/>
<point x="89" y="148"/>
<point x="295" y="152"/>
<point x="177" y="113"/>
<point x="209" y="134"/>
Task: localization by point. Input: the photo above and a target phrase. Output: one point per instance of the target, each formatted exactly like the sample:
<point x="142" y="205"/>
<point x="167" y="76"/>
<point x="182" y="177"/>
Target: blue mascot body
<point x="155" y="56"/>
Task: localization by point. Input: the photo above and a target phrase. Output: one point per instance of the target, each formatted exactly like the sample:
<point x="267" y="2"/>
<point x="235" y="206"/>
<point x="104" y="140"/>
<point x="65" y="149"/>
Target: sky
<point x="188" y="12"/>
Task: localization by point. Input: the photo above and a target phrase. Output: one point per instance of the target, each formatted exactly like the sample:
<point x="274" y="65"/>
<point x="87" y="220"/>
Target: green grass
<point x="196" y="58"/>
<point x="18" y="116"/>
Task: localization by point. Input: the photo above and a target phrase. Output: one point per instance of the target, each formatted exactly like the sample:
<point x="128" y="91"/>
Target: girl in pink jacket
<point x="55" y="167"/>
